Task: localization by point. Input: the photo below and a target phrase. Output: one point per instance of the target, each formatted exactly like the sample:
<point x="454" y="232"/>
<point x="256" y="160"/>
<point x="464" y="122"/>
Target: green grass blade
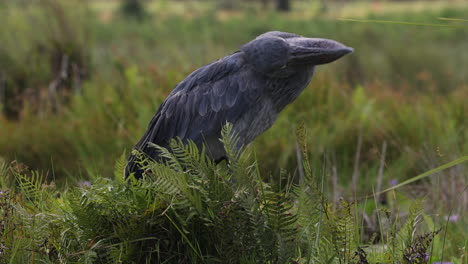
<point x="453" y="19"/>
<point x="426" y="174"/>
<point x="401" y="23"/>
<point x="181" y="232"/>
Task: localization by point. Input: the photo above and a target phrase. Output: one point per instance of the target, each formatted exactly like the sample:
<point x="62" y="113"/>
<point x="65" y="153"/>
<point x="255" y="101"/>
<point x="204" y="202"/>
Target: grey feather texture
<point x="248" y="89"/>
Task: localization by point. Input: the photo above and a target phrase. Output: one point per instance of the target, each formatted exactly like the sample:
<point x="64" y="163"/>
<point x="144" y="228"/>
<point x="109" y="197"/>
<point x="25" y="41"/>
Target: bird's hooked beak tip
<point x="348" y="50"/>
<point x="344" y="51"/>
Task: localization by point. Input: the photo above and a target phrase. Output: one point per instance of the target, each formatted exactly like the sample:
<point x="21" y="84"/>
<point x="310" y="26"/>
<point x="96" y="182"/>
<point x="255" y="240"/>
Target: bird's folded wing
<point x="202" y="104"/>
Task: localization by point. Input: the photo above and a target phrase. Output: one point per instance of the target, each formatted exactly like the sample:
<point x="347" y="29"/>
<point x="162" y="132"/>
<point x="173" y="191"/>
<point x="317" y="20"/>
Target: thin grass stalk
<point x="357" y="157"/>
<point x="381" y="169"/>
<point x="335" y="184"/>
<point x="299" y="163"/>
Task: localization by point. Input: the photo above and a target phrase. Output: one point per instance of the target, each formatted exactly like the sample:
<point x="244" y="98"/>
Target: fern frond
<point x="406" y="234"/>
<point x="281" y="215"/>
<point x="191" y="158"/>
<point x="342" y="230"/>
<point x="119" y="167"/>
<point x="230" y="139"/>
<point x="5" y="176"/>
<point x="416" y="252"/>
<point x="184" y="153"/>
<point x="168" y="157"/>
<point x="31" y="186"/>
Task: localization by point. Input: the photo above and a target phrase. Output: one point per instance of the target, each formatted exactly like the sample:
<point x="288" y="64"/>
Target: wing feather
<point x="231" y="94"/>
<point x="219" y="88"/>
<point x="203" y="104"/>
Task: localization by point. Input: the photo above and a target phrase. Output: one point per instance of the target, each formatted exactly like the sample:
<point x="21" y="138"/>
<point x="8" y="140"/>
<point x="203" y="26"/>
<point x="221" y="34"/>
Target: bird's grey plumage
<point x="247" y="89"/>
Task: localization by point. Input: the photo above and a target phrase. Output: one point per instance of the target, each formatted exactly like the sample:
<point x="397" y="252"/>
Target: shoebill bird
<point x="248" y="89"/>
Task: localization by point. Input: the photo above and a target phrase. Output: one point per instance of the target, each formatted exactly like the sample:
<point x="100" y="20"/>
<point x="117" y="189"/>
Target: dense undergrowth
<point x="189" y="210"/>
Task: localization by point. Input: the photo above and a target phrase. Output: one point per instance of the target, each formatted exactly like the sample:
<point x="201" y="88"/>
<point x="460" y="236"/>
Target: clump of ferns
<point x="6" y="212"/>
<point x="405" y="245"/>
<point x="189" y="209"/>
<point x="417" y="251"/>
<point x="341" y="225"/>
<point x="186" y="209"/>
<point x="29" y="221"/>
<point x="231" y="204"/>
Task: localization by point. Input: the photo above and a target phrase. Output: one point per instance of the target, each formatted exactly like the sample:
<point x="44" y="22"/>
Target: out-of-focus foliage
<point x="44" y="56"/>
<point x="133" y="9"/>
<point x="396" y="107"/>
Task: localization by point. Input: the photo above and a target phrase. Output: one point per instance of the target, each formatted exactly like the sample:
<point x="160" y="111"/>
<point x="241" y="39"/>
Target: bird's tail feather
<point x="135" y="159"/>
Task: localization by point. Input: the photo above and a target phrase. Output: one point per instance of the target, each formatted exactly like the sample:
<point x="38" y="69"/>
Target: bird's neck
<point x="285" y="91"/>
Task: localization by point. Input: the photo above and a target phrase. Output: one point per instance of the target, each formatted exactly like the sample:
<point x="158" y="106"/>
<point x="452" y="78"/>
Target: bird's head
<point x="278" y="53"/>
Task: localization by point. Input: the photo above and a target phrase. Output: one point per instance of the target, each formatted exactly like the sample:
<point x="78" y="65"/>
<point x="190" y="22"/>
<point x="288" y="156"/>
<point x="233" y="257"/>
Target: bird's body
<point x="247" y="89"/>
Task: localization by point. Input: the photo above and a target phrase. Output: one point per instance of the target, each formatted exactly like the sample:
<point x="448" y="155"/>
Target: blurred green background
<point x="80" y="80"/>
